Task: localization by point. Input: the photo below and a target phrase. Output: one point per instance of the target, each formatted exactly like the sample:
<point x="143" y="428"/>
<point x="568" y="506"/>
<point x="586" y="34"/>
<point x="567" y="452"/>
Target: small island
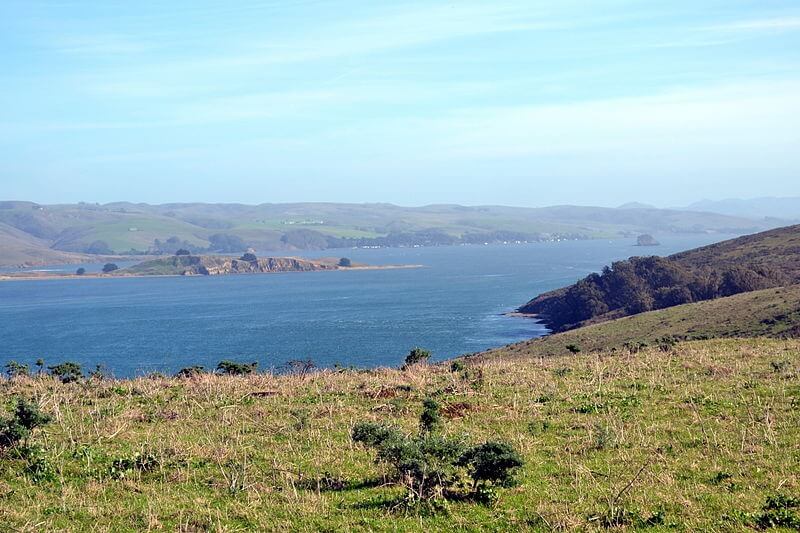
<point x="185" y="264"/>
<point x="646" y="240"/>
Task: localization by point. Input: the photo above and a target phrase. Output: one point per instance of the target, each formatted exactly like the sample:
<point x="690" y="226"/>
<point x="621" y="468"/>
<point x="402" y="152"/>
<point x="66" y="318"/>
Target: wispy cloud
<point x="761" y="24"/>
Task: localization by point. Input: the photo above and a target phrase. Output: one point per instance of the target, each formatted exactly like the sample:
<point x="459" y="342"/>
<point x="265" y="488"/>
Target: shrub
<point x="67" y="372"/>
<point x="25" y="418"/>
<point x="110" y="267"/>
<point x="81" y="271"/>
<point x="373" y="434"/>
<point x="190" y="371"/>
<point x="495" y="462"/>
<point x="573" y="348"/>
<point x="140" y="462"/>
<point x="415" y="356"/>
<point x="15" y="369"/>
<point x="249" y="257"/>
<point x="299" y="367"/>
<point x="345" y="262"/>
<point x="431" y="466"/>
<point x="236" y="369"/>
<point x="37" y="466"/>
<point x="183" y="251"/>
<point x="457" y="366"/>
<point x="779" y="511"/>
<point x="431" y="419"/>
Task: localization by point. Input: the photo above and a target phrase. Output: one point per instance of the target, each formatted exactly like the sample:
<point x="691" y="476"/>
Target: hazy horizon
<point x="513" y="103"/>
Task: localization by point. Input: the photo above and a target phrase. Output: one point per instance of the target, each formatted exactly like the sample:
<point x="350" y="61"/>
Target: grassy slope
<point x="19" y="248"/>
<point x="699" y="435"/>
<point x="778" y="248"/>
<point x="74" y="227"/>
<point x="770" y="312"/>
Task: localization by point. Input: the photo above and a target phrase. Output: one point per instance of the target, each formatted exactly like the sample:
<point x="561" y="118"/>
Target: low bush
<point x="415" y="356"/>
<point x="66" y="372"/>
<point x="15" y="369"/>
<point x="25" y="418"/>
<point x="434" y="467"/>
<point x="779" y="511"/>
<point x="457" y="366"/>
<point x="190" y="371"/>
<point x="236" y="369"/>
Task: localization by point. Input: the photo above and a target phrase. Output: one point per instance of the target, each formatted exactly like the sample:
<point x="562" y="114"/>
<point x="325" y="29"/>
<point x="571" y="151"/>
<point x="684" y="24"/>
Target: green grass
<point x="769" y="312"/>
<point x="694" y="438"/>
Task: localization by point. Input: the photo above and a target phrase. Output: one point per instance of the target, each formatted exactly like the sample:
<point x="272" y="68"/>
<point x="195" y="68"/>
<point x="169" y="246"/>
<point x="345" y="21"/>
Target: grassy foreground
<point x="696" y="438"/>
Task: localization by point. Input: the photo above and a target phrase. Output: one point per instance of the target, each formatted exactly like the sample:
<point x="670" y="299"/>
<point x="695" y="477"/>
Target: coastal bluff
<point x="214" y="265"/>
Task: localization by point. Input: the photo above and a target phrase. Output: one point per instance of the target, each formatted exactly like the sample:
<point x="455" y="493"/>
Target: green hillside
<point x="141" y="228"/>
<point x="765" y="313"/>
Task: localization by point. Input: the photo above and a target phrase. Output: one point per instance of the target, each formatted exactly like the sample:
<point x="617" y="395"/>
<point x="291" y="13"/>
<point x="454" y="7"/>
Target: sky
<point x="525" y="103"/>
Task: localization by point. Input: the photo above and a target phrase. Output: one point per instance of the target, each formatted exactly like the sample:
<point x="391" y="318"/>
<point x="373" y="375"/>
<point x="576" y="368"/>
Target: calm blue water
<point x="453" y="306"/>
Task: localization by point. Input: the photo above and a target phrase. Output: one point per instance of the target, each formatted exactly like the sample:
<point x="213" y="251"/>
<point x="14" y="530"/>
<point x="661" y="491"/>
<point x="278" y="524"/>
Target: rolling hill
<point x="771" y="313"/>
<point x="31" y="233"/>
<point x="764" y="260"/>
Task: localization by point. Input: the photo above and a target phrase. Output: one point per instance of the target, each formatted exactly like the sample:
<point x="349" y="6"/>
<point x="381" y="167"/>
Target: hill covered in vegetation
<point x="639" y="284"/>
<point x="773" y="313"/>
<point x="34" y="234"/>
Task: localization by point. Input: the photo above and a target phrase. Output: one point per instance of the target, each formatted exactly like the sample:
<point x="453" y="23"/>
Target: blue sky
<point x="519" y="102"/>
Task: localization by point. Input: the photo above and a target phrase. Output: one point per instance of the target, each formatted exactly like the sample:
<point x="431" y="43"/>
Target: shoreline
<point x="97" y="275"/>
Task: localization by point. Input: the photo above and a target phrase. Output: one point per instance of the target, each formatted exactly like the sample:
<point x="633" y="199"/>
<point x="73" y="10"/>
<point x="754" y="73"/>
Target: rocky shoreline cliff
<point x="198" y="265"/>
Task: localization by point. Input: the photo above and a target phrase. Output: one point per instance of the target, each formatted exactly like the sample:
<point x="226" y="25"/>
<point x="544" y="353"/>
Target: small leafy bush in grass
<point x="236" y="369"/>
<point x="431" y="418"/>
<point x="573" y="348"/>
<point x="562" y="372"/>
<point x="15" y="369"/>
<point x="25" y="418"/>
<point x="457" y="366"/>
<point x="434" y="467"/>
<point x="494" y="462"/>
<point x="140" y="462"/>
<point x="779" y="511"/>
<point x="779" y="366"/>
<point x="415" y="356"/>
<point x="190" y="371"/>
<point x="37" y="466"/>
<point x="67" y="372"/>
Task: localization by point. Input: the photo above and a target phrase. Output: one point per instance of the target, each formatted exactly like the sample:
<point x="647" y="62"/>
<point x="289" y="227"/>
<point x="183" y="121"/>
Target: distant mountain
<point x="758" y="208"/>
<point x="636" y="205"/>
<point x="31" y="233"/>
<point x="639" y="284"/>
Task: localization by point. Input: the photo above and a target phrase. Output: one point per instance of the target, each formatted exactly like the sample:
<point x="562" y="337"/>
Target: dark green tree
<point x="67" y="372"/>
<point x="232" y="368"/>
<point x="415" y="356"/>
